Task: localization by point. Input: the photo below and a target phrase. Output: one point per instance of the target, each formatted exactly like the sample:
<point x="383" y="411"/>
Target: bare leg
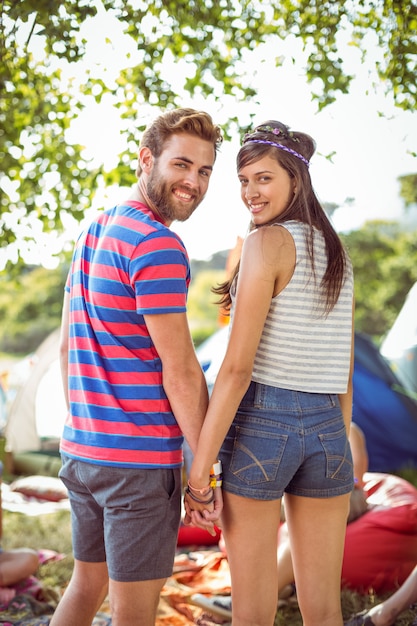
<point x="16" y="565"/>
<point x="250" y="529"/>
<point x="136" y="603"/>
<point x="285" y="566"/>
<point x="84" y="595"/>
<point x="385" y="613"/>
<point x="317" y="529"/>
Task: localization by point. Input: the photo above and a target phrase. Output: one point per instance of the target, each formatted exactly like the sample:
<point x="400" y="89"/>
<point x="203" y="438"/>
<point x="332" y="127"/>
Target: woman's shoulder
<point x="274" y="233"/>
<point x="272" y="242"/>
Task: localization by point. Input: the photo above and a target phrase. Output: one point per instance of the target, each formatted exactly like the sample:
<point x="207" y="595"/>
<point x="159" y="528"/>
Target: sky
<point x="372" y="140"/>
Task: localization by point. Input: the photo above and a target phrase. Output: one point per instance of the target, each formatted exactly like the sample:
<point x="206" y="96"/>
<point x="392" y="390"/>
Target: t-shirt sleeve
<point x="160" y="274"/>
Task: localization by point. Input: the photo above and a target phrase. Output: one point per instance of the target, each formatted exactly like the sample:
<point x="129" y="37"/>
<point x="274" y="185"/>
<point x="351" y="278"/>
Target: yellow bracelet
<point x="216" y="481"/>
<point x="216" y="470"/>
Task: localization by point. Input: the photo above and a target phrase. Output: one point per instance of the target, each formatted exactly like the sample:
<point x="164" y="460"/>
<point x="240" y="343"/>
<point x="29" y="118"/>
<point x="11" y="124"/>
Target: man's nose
<point x="192" y="177"/>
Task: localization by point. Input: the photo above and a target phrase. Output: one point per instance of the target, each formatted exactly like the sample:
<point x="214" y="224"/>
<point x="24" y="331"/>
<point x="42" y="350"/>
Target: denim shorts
<point x="127" y="517"/>
<point x="287" y="441"/>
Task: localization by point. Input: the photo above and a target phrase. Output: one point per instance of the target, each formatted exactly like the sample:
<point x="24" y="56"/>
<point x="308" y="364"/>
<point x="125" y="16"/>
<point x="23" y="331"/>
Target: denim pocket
<point x="336" y="447"/>
<point x="256" y="455"/>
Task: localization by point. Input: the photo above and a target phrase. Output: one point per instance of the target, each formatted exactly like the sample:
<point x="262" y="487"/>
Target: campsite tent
<point x="37" y="413"/>
<point x="387" y="416"/>
<point x="400" y="344"/>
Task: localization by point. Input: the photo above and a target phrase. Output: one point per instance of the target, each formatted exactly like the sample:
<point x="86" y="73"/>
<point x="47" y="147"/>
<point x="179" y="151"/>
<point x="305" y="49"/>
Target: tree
<point x="203" y="312"/>
<point x="45" y="178"/>
<point x="385" y="266"/>
<point x="42" y="174"/>
<point x="30" y="308"/>
<point x="408" y="189"/>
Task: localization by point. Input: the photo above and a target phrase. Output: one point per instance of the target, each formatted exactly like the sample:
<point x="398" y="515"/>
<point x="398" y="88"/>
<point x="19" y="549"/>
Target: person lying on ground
<point x="385" y="613"/>
<point x="15" y="566"/>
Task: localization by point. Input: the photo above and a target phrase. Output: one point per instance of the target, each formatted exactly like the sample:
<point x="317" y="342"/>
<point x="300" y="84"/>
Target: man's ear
<point x="145" y="159"/>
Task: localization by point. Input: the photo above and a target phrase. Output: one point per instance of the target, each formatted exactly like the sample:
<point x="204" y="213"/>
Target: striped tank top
<point x="301" y="347"/>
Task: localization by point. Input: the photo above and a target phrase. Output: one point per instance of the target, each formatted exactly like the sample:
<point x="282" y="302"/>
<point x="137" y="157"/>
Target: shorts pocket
<point x="171" y="482"/>
<point x="256" y="455"/>
<point x="336" y="447"/>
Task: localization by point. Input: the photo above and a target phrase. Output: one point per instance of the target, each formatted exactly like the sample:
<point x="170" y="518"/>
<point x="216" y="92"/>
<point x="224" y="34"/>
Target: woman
<point x="281" y="406"/>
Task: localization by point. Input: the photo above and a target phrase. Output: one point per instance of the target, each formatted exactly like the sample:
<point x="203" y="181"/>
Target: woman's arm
<point x="267" y="264"/>
<point x="346" y="399"/>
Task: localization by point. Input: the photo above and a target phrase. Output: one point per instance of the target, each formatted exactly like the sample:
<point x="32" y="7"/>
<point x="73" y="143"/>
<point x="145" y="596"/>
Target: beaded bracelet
<point x="193" y="497"/>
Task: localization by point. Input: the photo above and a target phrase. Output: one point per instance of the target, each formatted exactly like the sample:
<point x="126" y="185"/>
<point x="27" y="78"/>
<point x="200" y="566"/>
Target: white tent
<point x="400" y="344"/>
<point x="36" y="416"/>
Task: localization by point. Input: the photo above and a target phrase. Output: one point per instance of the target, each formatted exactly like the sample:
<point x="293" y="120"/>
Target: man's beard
<point x="164" y="200"/>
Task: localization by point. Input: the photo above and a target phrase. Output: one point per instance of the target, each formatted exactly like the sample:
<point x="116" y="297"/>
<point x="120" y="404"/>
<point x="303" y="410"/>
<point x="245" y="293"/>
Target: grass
<point x="53" y="531"/>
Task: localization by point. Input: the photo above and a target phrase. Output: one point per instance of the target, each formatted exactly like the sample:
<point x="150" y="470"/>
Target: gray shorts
<point x="126" y="517"/>
<point x="287" y="441"/>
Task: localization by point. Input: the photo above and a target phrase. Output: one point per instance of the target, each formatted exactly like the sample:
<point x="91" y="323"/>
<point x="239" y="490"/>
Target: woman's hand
<point x="203" y="505"/>
<point x="203" y="515"/>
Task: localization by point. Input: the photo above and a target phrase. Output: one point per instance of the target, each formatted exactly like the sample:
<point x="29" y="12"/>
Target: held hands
<point x="203" y="506"/>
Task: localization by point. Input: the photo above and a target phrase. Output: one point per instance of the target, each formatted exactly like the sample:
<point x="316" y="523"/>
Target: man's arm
<point x="186" y="389"/>
<point x="182" y="376"/>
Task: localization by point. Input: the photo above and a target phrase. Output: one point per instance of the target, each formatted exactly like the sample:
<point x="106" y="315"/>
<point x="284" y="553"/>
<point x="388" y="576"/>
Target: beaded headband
<point x="278" y="132"/>
<point x="281" y="147"/>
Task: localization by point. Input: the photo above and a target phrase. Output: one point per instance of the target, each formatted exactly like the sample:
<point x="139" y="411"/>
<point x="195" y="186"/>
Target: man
<point x="133" y="384"/>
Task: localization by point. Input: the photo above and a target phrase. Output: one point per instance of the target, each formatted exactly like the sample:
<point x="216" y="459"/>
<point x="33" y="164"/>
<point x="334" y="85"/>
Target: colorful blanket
<point x="203" y="572"/>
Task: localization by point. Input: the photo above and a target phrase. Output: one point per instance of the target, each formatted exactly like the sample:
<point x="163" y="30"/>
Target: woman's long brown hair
<point x="303" y="207"/>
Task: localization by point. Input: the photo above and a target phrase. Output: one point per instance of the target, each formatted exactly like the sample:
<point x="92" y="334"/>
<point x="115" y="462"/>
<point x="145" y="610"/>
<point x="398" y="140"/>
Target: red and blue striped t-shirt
<point x="127" y="264"/>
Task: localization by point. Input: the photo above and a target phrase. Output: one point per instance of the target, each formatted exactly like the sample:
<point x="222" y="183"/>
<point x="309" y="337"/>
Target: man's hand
<point x="204" y="516"/>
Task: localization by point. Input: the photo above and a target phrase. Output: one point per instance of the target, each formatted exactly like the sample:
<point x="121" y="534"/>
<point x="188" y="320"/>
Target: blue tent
<point x="384" y="411"/>
<point x="381" y="407"/>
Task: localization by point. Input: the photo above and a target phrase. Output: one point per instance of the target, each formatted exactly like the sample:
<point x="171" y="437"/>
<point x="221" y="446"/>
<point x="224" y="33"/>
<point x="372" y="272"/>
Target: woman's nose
<point x="251" y="191"/>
